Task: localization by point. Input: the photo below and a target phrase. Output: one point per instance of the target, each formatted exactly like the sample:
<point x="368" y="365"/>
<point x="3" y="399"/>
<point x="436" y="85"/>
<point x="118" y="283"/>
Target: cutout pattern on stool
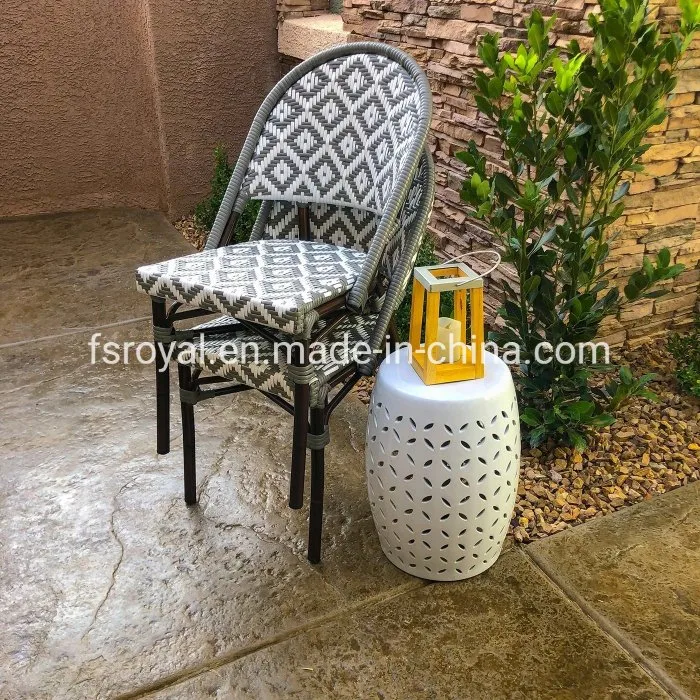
<point x="442" y="495"/>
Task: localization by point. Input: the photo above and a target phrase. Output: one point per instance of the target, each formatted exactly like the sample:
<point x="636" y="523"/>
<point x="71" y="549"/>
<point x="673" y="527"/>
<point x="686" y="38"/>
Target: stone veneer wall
<point x="662" y="208"/>
<point x="301" y="8"/>
<point x="293" y="9"/>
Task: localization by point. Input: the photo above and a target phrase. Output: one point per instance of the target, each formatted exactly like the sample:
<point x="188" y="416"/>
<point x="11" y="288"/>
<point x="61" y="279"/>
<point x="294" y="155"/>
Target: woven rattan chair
<point x="223" y="367"/>
<point x="336" y="154"/>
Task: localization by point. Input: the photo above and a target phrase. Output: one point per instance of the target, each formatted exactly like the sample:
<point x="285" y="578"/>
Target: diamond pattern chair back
<point x="343" y="226"/>
<point x="341" y="134"/>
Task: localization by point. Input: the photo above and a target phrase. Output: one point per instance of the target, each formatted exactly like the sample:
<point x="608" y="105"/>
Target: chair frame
<point x="310" y="427"/>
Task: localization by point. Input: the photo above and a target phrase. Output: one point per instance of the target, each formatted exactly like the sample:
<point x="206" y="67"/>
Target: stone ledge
<point x="305" y="36"/>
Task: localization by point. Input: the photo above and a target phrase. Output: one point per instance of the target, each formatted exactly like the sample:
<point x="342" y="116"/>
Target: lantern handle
<point x="474" y="253"/>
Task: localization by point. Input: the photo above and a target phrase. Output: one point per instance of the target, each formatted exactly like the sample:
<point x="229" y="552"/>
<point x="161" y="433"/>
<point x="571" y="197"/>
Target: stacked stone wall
<point x="662" y="207"/>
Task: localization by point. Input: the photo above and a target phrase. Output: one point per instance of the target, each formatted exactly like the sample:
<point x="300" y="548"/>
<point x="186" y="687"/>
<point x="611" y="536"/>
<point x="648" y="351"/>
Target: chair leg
<point x="300" y="432"/>
<point x="184" y="374"/>
<point x="317" y="478"/>
<point x="160" y="320"/>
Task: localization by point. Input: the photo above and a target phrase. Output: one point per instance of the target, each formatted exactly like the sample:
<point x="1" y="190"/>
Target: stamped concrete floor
<point x="110" y="587"/>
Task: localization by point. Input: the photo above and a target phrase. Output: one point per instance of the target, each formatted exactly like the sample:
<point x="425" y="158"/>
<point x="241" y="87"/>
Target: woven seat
<point x="271" y="282"/>
<point x="244" y="357"/>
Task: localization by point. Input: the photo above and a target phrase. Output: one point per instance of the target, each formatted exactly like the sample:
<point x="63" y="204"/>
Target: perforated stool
<point x="442" y="465"/>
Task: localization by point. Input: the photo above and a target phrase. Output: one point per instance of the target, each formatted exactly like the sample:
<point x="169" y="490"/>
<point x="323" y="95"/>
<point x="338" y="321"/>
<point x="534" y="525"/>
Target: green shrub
<point x="571" y="124"/>
<point x="205" y="212"/>
<point x="686" y="350"/>
<point x="246" y="221"/>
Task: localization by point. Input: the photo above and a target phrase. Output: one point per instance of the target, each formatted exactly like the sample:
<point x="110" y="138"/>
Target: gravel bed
<point x="196" y="235"/>
<point x="652" y="448"/>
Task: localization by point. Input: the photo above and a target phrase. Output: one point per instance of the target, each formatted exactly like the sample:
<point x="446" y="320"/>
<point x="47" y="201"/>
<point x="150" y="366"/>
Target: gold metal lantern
<point x="447" y="353"/>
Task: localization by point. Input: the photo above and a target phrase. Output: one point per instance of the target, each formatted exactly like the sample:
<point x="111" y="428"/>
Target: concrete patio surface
<point x="111" y="587"/>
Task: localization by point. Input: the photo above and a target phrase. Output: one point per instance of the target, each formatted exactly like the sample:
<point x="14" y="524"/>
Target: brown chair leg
<point x="160" y="320"/>
<point x="184" y="374"/>
<point x="300" y="432"/>
<point x="317" y="477"/>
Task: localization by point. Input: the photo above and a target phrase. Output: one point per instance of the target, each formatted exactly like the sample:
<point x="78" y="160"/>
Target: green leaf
<point x="531" y="285"/>
<point x="615" y="51"/>
<point x="580" y="410"/>
<point x="570" y="154"/>
<point x="646" y="378"/>
<point x="571" y="194"/>
<point x="537" y="436"/>
<point x="495" y="88"/>
<point x="482" y="82"/>
<point x="544" y="239"/>
<point x="664" y="257"/>
<point x="648" y="395"/>
<point x="554" y="103"/>
<point x="579" y="130"/>
<point x="577" y="439"/>
<point x="690" y="13"/>
<point x="504" y="185"/>
<point x="484" y="105"/>
<point x="674" y="271"/>
<point x="531" y="417"/>
<point x="488" y="50"/>
<point x="626" y="375"/>
<point x="601" y="420"/>
<point x="621" y="191"/>
<point x="464" y="156"/>
<point x="536" y="33"/>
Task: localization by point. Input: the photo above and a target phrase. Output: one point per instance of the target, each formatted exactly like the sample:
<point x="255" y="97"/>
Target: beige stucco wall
<point x="77" y="120"/>
<point x="105" y="102"/>
<point x="217" y="60"/>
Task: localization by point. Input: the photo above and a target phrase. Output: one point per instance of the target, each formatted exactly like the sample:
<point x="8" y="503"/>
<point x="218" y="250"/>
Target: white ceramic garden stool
<point x="442" y="464"/>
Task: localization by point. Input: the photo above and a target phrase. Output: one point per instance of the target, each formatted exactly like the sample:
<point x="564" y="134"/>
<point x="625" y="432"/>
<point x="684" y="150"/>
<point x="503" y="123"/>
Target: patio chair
<point x="219" y="365"/>
<point x="331" y="153"/>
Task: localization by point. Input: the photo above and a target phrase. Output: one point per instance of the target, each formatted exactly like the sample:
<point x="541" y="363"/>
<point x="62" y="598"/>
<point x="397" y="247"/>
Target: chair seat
<point x="275" y="283"/>
<point x="231" y="355"/>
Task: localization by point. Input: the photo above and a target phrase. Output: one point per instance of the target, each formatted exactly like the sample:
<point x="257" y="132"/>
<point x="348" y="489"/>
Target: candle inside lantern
<point x="449" y="334"/>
